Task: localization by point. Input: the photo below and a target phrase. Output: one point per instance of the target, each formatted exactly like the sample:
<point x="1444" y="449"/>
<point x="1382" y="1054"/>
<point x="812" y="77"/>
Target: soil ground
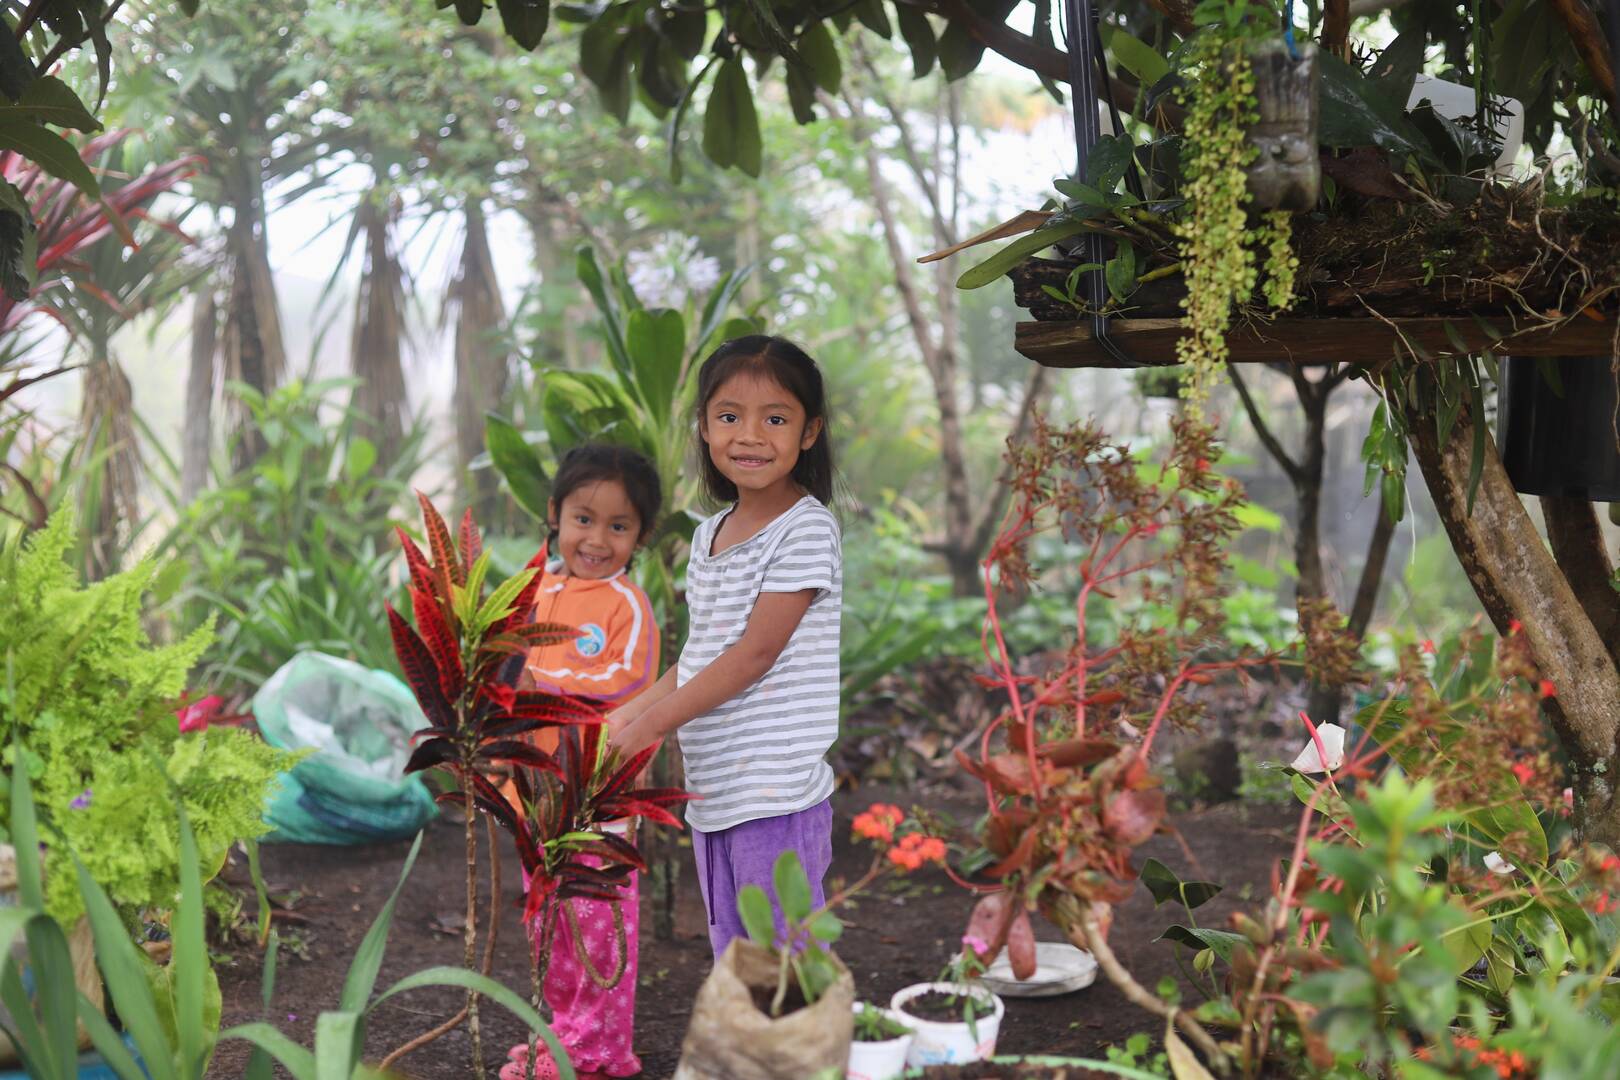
<point x="895" y="937"/>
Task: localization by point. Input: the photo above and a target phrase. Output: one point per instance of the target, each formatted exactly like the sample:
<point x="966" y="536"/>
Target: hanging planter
<point x="1286" y="173"/>
<point x="1556" y="420"/>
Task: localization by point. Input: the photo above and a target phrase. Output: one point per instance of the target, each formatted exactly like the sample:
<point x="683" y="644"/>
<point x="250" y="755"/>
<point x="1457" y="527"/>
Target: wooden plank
<point x="1300" y="340"/>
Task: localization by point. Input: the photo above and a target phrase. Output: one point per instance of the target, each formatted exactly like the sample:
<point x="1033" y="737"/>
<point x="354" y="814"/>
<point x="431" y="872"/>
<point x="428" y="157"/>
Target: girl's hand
<point x="631" y="735"/>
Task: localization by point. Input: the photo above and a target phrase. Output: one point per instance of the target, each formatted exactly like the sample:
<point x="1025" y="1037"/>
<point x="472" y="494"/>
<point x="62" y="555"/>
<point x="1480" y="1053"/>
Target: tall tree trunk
<point x="107" y="421"/>
<point x="1519" y="579"/>
<point x="481" y="360"/>
<point x="380" y="397"/>
<point x="254" y="353"/>
<point x="196" y="433"/>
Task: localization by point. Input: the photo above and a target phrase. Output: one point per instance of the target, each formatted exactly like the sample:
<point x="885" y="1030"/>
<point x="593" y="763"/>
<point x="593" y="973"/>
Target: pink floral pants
<point x="595" y="1025"/>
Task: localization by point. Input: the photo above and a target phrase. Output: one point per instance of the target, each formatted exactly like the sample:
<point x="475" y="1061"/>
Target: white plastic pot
<point x="950" y="1043"/>
<point x="878" y="1060"/>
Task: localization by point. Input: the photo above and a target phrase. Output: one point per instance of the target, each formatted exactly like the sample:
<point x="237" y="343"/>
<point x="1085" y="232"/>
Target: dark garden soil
<point x="895" y="937"/>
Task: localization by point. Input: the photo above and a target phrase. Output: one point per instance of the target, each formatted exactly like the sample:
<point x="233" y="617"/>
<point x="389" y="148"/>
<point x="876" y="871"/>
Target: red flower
<point x="1201" y="465"/>
<point x="1426" y="646"/>
<point x="1524" y="770"/>
<point x="199" y="714"/>
<point x="1548" y="689"/>
<point x="1514" y="626"/>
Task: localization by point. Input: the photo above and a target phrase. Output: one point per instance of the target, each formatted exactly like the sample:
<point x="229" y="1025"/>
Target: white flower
<point x="1310" y="761"/>
<point x="671" y="270"/>
<point x="1498" y="865"/>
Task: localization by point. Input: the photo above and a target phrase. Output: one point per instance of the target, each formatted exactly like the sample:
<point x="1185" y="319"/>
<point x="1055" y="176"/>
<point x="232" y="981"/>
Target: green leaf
<point x="1163" y="883"/>
<point x="1016" y="252"/>
<point x="1120" y="272"/>
<point x="590" y="275"/>
<point x="525" y="20"/>
<point x="604" y="57"/>
<point x="657" y="344"/>
<point x="919" y="35"/>
<point x="1106" y="165"/>
<point x="730" y="125"/>
<point x="258" y="1065"/>
<point x="111" y="1047"/>
<point x="25" y="835"/>
<point x="359" y="458"/>
<point x="362" y="976"/>
<point x="339" y="1038"/>
<point x="294" y="1058"/>
<point x="1138" y="58"/>
<point x="792" y="887"/>
<point x="1466" y="944"/>
<point x="1221" y="942"/>
<point x="189" y="966"/>
<point x="1476" y="454"/>
<point x="19" y="244"/>
<point x="469" y="11"/>
<point x="754" y="908"/>
<point x="874" y="18"/>
<point x="827" y="927"/>
<point x="1353" y="116"/>
<point x="51" y="153"/>
<point x="48" y="100"/>
<point x="518" y="464"/>
<point x="499" y="604"/>
<point x="121" y="969"/>
<point x="959" y="52"/>
<point x="820" y="52"/>
<point x="500" y="995"/>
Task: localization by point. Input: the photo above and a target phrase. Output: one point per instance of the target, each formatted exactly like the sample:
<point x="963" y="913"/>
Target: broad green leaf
<point x="820" y="52"/>
<point x="52" y="153"/>
<point x="525" y="20"/>
<point x="338" y="1042"/>
<point x="959" y="52"/>
<point x="657" y="342"/>
<point x="1120" y="272"/>
<point x="360" y="456"/>
<point x="1513" y="821"/>
<point x="730" y="125"/>
<point x="1138" y="58"/>
<point x="48" y="100"/>
<point x="590" y="275"/>
<point x="1107" y="164"/>
<point x="792" y="887"/>
<point x="1016" y="252"/>
<point x="475" y="577"/>
<point x="1467" y="944"/>
<point x="754" y="908"/>
<point x="1163" y="883"/>
<point x="826" y="927"/>
<point x="1222" y="942"/>
<point x="1353" y="116"/>
<point x="873" y="17"/>
<point x="518" y="464"/>
<point x="494" y="991"/>
<point x="919" y="35"/>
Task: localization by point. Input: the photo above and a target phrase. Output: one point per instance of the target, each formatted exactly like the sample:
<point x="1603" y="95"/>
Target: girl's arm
<point x="661" y="711"/>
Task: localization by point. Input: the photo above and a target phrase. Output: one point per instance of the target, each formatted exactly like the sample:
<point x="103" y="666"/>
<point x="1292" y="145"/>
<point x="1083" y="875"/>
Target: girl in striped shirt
<point x="604" y="505"/>
<point x="755" y="694"/>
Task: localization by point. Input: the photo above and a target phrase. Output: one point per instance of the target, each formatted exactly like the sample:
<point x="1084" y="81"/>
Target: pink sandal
<point x="518" y="1057"/>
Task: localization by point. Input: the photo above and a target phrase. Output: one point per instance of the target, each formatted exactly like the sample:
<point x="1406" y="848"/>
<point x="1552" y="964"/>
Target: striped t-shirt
<point x="763" y="753"/>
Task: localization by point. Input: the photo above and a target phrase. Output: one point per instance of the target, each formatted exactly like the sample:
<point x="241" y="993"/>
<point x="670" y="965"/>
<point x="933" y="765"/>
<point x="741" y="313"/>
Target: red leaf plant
<point x="463" y="660"/>
<point x="1065" y="765"/>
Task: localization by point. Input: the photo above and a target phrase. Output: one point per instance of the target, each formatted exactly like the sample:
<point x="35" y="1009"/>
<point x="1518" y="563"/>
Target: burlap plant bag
<point x="731" y="1039"/>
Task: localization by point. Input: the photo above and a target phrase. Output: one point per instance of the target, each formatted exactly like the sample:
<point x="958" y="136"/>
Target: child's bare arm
<point x="770" y="625"/>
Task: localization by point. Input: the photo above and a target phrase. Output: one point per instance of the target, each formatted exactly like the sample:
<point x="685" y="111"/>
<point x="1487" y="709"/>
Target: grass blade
<point x="472" y="980"/>
<point x="258" y="1066"/>
<point x="54" y="991"/>
<point x="126" y="981"/>
<point x="263" y="896"/>
<point x="338" y="1038"/>
<point x="190" y="957"/>
<point x="294" y="1058"/>
<point x="25" y="834"/>
<point x="362" y="977"/>
<point x="108" y="1044"/>
<point x="27" y="1037"/>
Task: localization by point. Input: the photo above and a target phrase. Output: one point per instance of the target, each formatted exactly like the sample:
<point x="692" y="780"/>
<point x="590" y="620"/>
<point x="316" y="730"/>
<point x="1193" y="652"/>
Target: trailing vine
<point x="1220" y="250"/>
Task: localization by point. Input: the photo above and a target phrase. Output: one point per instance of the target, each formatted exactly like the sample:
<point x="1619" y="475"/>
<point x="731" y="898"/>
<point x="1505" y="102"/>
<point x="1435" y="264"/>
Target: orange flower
<point x="914" y="849"/>
<point x="878" y="822"/>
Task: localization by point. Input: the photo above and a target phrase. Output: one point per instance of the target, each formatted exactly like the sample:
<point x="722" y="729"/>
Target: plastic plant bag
<point x="352" y="789"/>
<point x="729" y="1038"/>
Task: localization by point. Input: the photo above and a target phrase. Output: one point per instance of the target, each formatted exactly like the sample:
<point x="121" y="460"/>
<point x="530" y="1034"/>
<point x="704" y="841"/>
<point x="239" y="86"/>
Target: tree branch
<point x="990" y="516"/>
<point x="1577" y="544"/>
<point x="908" y="146"/>
<point x="1372" y="573"/>
<point x="1295" y="471"/>
<point x="1336" y="26"/>
<point x="1590" y="43"/>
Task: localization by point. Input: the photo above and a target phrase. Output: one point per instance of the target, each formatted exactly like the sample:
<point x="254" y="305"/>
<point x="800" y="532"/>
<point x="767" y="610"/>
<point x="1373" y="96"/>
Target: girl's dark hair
<point x="590" y="463"/>
<point x="785" y="363"/>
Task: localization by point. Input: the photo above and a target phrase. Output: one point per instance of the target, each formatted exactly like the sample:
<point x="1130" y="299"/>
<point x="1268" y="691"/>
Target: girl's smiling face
<point x="755" y="430"/>
<point x="597" y="529"/>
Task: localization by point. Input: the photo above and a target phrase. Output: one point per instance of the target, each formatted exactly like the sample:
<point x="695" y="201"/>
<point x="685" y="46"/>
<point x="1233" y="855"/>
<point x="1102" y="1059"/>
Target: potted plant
<point x="956" y="1019"/>
<point x="881" y="1042"/>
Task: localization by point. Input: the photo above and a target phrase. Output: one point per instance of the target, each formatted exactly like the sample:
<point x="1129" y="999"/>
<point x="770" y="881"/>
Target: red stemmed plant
<point x="1069" y="790"/>
<point x="463" y="660"/>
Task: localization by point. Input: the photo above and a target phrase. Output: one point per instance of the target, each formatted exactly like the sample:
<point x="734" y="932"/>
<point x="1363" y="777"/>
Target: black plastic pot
<point x="1560" y="444"/>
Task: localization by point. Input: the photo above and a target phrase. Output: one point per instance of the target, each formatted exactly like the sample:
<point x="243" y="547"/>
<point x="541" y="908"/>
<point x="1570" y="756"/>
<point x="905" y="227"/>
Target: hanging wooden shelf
<point x="1305" y="340"/>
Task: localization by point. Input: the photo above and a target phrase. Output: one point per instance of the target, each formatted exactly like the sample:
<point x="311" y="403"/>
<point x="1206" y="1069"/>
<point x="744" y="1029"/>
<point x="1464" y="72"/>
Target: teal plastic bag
<point x="352" y="789"/>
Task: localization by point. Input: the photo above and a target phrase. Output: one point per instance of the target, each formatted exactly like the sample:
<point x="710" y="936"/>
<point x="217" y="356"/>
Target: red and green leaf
<point x="439" y="544"/>
<point x="420" y="672"/>
<point x="472" y="545"/>
<point x="440" y="642"/>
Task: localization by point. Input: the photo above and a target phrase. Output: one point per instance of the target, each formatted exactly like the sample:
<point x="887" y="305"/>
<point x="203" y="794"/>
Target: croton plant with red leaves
<point x="463" y="660"/>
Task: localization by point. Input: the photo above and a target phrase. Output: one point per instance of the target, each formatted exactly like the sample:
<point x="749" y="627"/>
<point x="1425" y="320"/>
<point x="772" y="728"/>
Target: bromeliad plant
<point x="463" y="661"/>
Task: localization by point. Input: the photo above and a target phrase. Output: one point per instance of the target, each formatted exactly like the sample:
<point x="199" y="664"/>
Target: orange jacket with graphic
<point x="615" y="656"/>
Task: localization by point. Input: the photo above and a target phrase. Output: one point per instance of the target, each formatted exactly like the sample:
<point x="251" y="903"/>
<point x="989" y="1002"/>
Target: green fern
<point x="93" y="701"/>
